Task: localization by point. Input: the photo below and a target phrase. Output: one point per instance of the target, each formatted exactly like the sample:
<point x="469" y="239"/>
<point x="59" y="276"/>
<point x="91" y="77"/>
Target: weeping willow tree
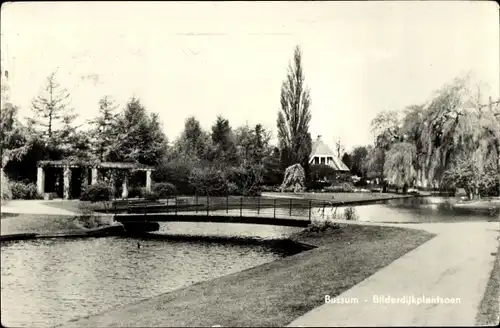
<point x="433" y="141"/>
<point x="399" y="165"/>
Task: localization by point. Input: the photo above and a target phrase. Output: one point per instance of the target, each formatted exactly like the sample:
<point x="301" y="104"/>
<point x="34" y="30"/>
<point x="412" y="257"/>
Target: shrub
<point x="247" y="178"/>
<point x="135" y="192"/>
<point x="317" y="185"/>
<point x="233" y="189"/>
<point x="343" y="187"/>
<point x="176" y="171"/>
<point x="21" y="190"/>
<point x="151" y="195"/>
<point x="164" y="189"/>
<point x="208" y="181"/>
<point x="5" y="185"/>
<point x="350" y="214"/>
<point x="99" y="192"/>
<point x="322" y="225"/>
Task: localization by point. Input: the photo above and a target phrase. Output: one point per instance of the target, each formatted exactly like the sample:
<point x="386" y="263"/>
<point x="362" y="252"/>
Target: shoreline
<point x="237" y="299"/>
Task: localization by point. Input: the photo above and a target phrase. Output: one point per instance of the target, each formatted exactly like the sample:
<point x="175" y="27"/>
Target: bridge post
<point x="310" y="205"/>
<point x="196" y="203"/>
<point x="167" y="204"/>
<point x="176" y="205"/>
<point x="274" y="207"/>
<point x="290" y="207"/>
<point x="227" y="203"/>
<point x="208" y="204"/>
<point x="241" y="207"/>
<point x="258" y="206"/>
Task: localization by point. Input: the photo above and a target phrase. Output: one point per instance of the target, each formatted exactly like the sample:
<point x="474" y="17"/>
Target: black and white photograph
<point x="250" y="164"/>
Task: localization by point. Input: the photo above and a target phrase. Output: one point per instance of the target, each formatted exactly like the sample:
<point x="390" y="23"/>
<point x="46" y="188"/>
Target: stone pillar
<point x="67" y="182"/>
<point x="94" y="175"/>
<point x="148" y="180"/>
<point x="124" y="188"/>
<point x="40" y="180"/>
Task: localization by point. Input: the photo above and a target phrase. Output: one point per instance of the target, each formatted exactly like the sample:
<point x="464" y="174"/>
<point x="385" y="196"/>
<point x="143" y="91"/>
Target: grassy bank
<point x="489" y="309"/>
<point x="275" y="293"/>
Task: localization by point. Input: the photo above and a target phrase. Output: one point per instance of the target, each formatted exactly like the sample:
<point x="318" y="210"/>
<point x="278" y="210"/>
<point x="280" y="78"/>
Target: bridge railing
<point x="239" y="206"/>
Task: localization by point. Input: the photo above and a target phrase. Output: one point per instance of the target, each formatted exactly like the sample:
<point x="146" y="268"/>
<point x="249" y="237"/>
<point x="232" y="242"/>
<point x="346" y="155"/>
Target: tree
<point x="52" y="117"/>
<point x="294" y="116"/>
<point x="140" y="138"/>
<point x="399" y="164"/>
<point x="339" y="148"/>
<point x="13" y="137"/>
<point x="193" y="140"/>
<point x="252" y="144"/>
<point x="347" y="160"/>
<point x="103" y="132"/>
<point x="358" y="159"/>
<point x="223" y="140"/>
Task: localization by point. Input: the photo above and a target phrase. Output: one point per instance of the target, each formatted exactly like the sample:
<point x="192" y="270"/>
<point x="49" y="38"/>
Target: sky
<point x="230" y="58"/>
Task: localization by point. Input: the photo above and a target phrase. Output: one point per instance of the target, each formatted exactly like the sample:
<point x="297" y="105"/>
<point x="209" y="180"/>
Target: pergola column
<point x="124" y="187"/>
<point x="148" y="180"/>
<point x="67" y="180"/>
<point x="93" y="175"/>
<point x="40" y="180"/>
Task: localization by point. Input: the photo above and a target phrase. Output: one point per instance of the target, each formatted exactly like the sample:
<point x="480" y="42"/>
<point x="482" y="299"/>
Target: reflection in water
<point x="48" y="282"/>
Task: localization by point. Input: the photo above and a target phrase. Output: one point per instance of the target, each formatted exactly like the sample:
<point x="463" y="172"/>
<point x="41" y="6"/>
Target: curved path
<point x="455" y="264"/>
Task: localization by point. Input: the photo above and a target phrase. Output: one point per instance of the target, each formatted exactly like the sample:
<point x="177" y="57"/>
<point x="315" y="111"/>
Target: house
<point x="322" y="154"/>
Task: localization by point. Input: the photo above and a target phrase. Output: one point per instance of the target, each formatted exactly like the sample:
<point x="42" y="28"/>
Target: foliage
<point x="358" y="158"/>
<point x="295" y="178"/>
<point x="177" y="171"/>
<point x="164" y="189"/>
<point x="103" y="132"/>
<point x="294" y="116"/>
<point x="98" y="192"/>
<point x="465" y="174"/>
<point x="315" y="185"/>
<point x="224" y="143"/>
<point x="208" y="181"/>
<point x="322" y="225"/>
<point x="6" y="193"/>
<point x="52" y="117"/>
<point x="321" y="171"/>
<point x="343" y="187"/>
<point x="139" y="137"/>
<point x="399" y="165"/>
<point x="193" y="140"/>
<point x="21" y="190"/>
<point x="246" y="178"/>
<point x="350" y="213"/>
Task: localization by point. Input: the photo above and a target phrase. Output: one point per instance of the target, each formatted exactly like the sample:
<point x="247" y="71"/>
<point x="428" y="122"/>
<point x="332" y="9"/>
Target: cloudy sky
<point x="206" y="59"/>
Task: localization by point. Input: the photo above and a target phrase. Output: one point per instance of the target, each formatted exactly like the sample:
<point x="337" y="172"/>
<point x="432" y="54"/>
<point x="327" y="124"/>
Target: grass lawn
<point x="276" y="293"/>
<point x="489" y="309"/>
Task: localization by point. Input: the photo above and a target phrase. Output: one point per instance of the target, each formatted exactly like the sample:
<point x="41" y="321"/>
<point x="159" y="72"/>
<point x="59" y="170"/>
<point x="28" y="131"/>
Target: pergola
<point x="67" y="165"/>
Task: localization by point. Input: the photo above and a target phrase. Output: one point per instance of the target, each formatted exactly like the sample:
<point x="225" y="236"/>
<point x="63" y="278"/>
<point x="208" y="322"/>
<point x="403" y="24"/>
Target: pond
<point x="48" y="282"/>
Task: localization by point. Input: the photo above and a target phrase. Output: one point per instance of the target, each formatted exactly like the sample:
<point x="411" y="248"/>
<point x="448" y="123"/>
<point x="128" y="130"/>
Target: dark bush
<point x="164" y="189"/>
<point x="233" y="189"/>
<point x="99" y="192"/>
<point x="176" y="171"/>
<point x="208" y="181"/>
<point x="343" y="187"/>
<point x="21" y="190"/>
<point x="135" y="192"/>
<point x="151" y="195"/>
<point x="317" y="185"/>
